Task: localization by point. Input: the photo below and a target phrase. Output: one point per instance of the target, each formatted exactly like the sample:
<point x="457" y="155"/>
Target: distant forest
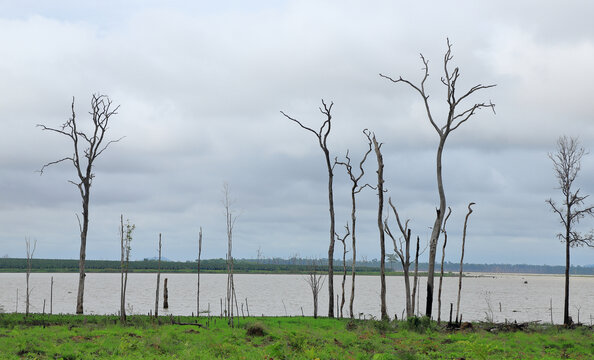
<point x="270" y="265"/>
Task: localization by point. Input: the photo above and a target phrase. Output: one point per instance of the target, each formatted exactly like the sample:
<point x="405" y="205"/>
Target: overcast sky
<point x="201" y="85"/>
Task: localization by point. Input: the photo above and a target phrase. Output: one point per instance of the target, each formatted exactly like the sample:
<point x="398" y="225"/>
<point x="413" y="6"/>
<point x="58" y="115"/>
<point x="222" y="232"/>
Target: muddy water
<point x="502" y="296"/>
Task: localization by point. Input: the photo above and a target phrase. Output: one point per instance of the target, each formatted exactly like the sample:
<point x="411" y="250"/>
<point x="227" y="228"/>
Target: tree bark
<point x="198" y="281"/>
<point x="380" y="225"/>
<point x="158" y="281"/>
<point x="445" y="242"/>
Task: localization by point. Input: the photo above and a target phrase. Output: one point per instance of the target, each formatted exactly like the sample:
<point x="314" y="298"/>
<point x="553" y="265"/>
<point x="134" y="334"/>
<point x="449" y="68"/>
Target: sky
<point x="201" y="86"/>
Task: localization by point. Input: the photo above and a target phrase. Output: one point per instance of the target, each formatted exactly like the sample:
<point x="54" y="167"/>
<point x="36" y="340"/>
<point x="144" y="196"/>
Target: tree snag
<point x="344" y="269"/>
<point x="403" y="252"/>
<point x="322" y="136"/>
<point x="30" y="253"/>
<point x="315" y="282"/>
<point x="198" y="281"/>
<point x="454" y="119"/>
<point x="158" y="281"/>
<point x="380" y="225"/>
<point x="355" y="189"/>
<point x="462" y="262"/>
<point x="87" y="146"/>
<point x="567" y="165"/>
<point x="125" y="240"/>
<point x="230" y="219"/>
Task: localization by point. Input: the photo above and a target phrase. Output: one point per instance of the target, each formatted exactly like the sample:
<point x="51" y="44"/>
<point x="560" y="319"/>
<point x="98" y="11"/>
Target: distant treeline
<point x="269" y="265"/>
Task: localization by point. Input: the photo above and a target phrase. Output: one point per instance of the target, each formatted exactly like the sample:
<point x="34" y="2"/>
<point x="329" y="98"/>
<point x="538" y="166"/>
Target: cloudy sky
<point x="201" y="85"/>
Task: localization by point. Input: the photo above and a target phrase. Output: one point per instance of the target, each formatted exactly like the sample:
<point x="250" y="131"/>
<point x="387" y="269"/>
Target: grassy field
<point x="87" y="337"/>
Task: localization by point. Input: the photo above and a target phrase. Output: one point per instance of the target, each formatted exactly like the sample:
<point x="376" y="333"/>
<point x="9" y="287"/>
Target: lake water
<point x="522" y="297"/>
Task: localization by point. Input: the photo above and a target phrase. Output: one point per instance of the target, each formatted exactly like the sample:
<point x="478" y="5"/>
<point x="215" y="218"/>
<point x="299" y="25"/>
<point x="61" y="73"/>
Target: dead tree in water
<point x="445" y="242"/>
<point x="315" y="282"/>
<point x="462" y="261"/>
<point x="165" y="295"/>
<point x="230" y="219"/>
<point x="87" y="147"/>
<point x="380" y="225"/>
<point x="125" y="240"/>
<point x="344" y="269"/>
<point x="355" y="189"/>
<point x="454" y="118"/>
<point x="198" y="281"/>
<point x="30" y="253"/>
<point x="322" y="136"/>
<point x="158" y="281"/>
<point x="403" y="252"/>
<point x="567" y="165"/>
<point x="415" y="277"/>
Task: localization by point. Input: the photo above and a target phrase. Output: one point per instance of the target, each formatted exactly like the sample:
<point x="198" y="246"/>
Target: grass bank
<point x="85" y="337"/>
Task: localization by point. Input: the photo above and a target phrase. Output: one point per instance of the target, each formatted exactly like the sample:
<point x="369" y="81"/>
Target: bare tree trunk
<point x="566" y="320"/>
<point x="445" y="242"/>
<point x="462" y="260"/>
<point x="158" y="281"/>
<point x="403" y="253"/>
<point x="322" y="136"/>
<point x="344" y="252"/>
<point x="122" y="299"/>
<point x="416" y="274"/>
<point x="355" y="190"/>
<point x="30" y="253"/>
<point x="165" y="295"/>
<point x="230" y="222"/>
<point x="380" y="225"/>
<point x="315" y="283"/>
<point x="198" y="281"/>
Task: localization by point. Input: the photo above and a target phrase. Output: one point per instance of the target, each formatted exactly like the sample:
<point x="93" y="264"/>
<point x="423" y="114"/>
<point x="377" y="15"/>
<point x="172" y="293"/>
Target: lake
<point x="507" y="296"/>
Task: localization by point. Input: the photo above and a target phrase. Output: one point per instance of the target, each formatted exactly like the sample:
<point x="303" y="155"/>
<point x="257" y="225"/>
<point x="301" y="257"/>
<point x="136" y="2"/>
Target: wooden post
<point x="158" y="281"/>
<point x="247" y="307"/>
<point x="165" y="295"/>
<point x="451" y="310"/>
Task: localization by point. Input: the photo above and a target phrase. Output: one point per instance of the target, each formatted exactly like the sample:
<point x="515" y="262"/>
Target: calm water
<point x="522" y="297"/>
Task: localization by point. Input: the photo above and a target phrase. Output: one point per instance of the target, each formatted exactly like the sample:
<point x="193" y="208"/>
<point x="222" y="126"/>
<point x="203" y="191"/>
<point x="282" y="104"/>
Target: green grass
<point x="87" y="337"/>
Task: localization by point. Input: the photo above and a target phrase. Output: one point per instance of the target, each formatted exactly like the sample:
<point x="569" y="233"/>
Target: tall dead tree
<point x="567" y="165"/>
<point x="355" y="189"/>
<point x="380" y="225"/>
<point x="454" y="118"/>
<point x="462" y="261"/>
<point x="158" y="280"/>
<point x="125" y="248"/>
<point x="344" y="268"/>
<point x="87" y="146"/>
<point x="402" y="249"/>
<point x="230" y="219"/>
<point x="30" y="253"/>
<point x="198" y="281"/>
<point x="445" y="242"/>
<point x="322" y="136"/>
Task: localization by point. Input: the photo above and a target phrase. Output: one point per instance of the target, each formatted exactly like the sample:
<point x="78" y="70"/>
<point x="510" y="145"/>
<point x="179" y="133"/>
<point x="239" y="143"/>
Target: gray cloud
<point x="201" y="85"/>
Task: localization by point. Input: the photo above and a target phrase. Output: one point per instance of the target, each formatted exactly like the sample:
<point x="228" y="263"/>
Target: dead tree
<point x="125" y="240"/>
<point x="344" y="268"/>
<point x="87" y="146"/>
<point x="198" y="281"/>
<point x="445" y="242"/>
<point x="355" y="189"/>
<point x="158" y="280"/>
<point x="380" y="225"/>
<point x="315" y="282"/>
<point x="454" y="118"/>
<point x="230" y="219"/>
<point x="402" y="249"/>
<point x="567" y="165"/>
<point x="30" y="253"/>
<point x="462" y="261"/>
<point x="415" y="278"/>
<point x="322" y="136"/>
